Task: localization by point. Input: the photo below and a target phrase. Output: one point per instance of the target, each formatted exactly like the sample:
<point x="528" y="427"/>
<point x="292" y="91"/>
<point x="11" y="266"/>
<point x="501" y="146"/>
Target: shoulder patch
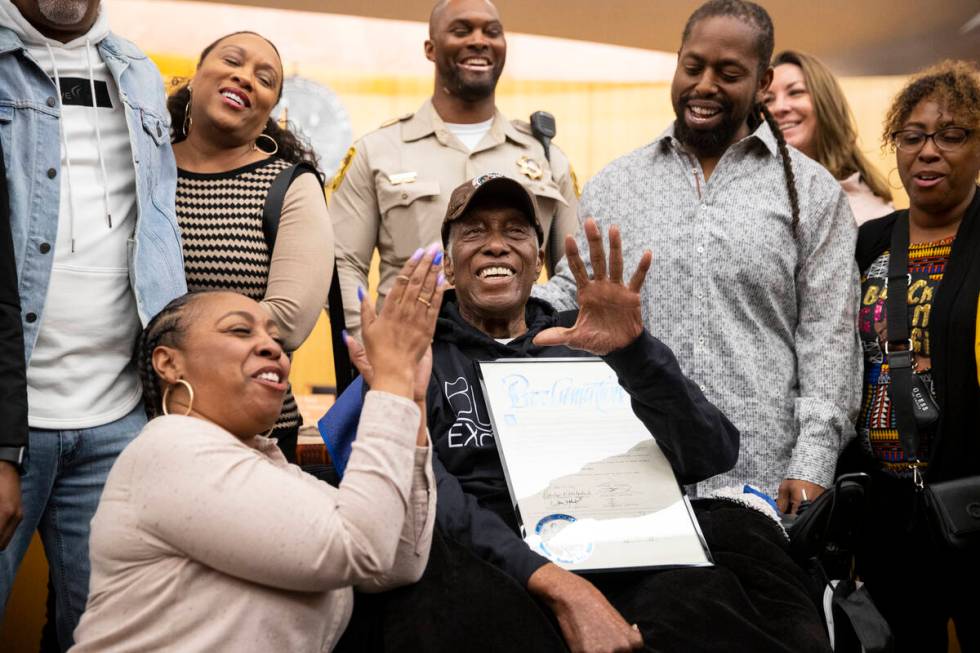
<point x="574" y="178"/>
<point x="402" y="118"/>
<point x="338" y="178"/>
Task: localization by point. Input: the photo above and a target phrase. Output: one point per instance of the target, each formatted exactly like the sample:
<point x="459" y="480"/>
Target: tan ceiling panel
<point x="856" y="37"/>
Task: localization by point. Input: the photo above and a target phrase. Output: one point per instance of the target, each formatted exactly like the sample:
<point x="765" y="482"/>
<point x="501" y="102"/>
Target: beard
<point x="710" y="142"/>
<point x="63" y="12"/>
<point x="470" y="90"/>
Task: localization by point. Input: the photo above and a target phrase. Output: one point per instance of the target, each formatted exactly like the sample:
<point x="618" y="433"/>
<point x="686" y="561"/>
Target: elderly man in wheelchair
<point x="484" y="588"/>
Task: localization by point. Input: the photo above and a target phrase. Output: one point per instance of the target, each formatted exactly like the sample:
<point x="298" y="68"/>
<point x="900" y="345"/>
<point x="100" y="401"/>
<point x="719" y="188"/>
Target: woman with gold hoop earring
<point x="199" y="511"/>
<point x="190" y="397"/>
<point x="229" y="151"/>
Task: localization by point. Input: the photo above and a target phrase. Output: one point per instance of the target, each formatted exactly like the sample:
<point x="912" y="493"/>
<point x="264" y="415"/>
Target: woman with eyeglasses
<point x="229" y="152"/>
<point x="917" y="582"/>
<point x="813" y="114"/>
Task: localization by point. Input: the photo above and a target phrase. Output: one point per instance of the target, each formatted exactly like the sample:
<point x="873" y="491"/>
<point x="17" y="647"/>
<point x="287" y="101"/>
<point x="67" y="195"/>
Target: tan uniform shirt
<point x="394" y="194"/>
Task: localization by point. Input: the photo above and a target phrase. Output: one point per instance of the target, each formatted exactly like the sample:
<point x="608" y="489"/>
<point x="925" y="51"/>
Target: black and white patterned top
<point x="220" y="218"/>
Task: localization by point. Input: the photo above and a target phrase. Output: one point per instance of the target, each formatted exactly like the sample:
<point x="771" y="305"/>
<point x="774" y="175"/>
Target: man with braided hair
<point x="752" y="284"/>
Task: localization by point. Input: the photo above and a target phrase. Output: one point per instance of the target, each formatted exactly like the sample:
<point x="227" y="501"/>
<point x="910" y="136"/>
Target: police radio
<point x="544" y="129"/>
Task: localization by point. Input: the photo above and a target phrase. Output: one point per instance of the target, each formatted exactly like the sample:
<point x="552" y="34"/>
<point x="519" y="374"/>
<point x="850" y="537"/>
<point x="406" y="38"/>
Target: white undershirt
<point x="81" y="373"/>
<point x="470" y="134"/>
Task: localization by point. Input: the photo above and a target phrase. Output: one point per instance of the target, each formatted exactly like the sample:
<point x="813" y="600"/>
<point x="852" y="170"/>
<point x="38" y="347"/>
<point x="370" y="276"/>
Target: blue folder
<point x="338" y="427"/>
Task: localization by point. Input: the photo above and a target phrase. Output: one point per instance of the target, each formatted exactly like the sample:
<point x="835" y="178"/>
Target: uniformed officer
<point x="394" y="187"/>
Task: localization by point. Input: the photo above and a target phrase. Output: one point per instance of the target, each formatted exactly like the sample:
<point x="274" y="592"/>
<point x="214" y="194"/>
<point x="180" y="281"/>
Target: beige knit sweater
<point x="203" y="542"/>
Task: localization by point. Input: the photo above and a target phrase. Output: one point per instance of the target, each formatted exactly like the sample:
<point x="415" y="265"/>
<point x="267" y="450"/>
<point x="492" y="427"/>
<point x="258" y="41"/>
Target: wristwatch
<point x="14" y="456"/>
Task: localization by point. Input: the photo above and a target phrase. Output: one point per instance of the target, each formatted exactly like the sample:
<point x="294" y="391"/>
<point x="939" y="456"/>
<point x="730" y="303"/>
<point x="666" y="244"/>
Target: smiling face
<point x="62" y="20"/>
<point x="235" y="87"/>
<point x="790" y="103"/>
<point x="467" y="45"/>
<point x="716" y="83"/>
<point x="938" y="181"/>
<point x="494" y="260"/>
<point x="231" y="354"/>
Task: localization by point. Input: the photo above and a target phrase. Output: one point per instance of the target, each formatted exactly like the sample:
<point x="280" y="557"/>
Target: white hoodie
<point x="81" y="373"/>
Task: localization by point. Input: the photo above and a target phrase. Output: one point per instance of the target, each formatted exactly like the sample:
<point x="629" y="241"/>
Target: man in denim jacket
<point x="91" y="179"/>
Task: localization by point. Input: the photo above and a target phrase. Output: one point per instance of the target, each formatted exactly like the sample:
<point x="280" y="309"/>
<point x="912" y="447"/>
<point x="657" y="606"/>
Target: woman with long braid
<point x="207" y="539"/>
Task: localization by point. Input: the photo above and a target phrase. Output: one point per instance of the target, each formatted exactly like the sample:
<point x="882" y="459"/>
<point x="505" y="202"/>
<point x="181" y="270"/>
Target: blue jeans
<point x="64" y="473"/>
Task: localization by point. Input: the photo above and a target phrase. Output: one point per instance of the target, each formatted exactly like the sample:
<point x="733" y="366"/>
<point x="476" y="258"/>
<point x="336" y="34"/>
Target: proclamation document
<point x="591" y="488"/>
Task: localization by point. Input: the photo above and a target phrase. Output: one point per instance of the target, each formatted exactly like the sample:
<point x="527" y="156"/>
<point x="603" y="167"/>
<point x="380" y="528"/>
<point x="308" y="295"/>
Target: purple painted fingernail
<point x="418" y="254"/>
<point x="344" y="335"/>
<point x="360" y="294"/>
<point x="438" y="259"/>
<point x="441" y="280"/>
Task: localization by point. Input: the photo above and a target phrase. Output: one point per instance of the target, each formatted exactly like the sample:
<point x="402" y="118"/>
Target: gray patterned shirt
<point x="765" y="324"/>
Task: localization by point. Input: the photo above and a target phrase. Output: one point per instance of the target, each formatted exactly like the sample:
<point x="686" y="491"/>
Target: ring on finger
<point x="423" y="300"/>
<point x="402" y="277"/>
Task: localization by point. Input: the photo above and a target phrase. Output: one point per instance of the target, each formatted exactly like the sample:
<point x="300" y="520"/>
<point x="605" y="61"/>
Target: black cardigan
<point x="952" y="334"/>
<point x="13" y="383"/>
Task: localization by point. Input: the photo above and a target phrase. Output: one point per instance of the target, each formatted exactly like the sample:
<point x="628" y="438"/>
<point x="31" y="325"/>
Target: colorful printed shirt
<point x="876" y="422"/>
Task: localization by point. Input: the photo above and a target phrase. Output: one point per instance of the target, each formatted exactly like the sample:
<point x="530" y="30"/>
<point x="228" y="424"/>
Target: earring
<point x="187" y="115"/>
<point x="166" y="396"/>
<point x="890" y="184"/>
<point x="275" y="145"/>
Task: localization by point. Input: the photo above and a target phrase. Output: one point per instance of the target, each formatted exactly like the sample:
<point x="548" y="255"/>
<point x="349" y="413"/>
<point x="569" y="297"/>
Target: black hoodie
<point x="474" y="506"/>
<point x="13" y="380"/>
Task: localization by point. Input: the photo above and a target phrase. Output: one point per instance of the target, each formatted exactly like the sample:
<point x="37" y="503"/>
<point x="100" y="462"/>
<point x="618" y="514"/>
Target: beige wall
<point x="596" y="123"/>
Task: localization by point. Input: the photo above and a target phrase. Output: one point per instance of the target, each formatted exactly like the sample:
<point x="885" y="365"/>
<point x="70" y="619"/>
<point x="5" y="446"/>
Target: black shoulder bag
<point x="953" y="506"/>
<point x="271" y="213"/>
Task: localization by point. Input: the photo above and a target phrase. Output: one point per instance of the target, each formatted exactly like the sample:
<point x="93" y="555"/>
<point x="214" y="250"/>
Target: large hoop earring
<point x="275" y="145"/>
<point x="166" y="396"/>
<point x="889" y="179"/>
<point x="188" y="122"/>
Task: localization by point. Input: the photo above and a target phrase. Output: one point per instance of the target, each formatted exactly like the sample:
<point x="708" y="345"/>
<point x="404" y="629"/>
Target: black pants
<point x="916" y="583"/>
<point x="755" y="599"/>
<point x="461" y="604"/>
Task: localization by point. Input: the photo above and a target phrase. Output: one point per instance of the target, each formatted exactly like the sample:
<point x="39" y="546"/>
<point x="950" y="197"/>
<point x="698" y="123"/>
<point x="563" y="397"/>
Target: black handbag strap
<point x="271" y="213"/>
<point x="868" y="626"/>
<point x="900" y="361"/>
